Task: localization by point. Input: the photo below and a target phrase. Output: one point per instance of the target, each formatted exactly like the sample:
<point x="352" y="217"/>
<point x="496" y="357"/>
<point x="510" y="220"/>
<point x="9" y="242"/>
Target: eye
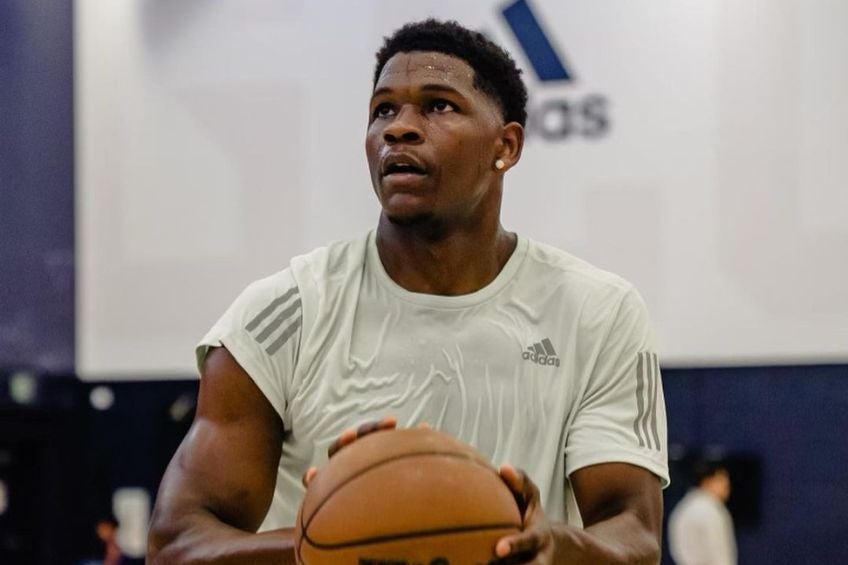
<point x="441" y="106"/>
<point x="383" y="110"/>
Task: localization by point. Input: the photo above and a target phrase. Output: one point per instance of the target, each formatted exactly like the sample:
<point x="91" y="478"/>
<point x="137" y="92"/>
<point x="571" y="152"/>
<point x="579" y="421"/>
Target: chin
<point x="410" y="218"/>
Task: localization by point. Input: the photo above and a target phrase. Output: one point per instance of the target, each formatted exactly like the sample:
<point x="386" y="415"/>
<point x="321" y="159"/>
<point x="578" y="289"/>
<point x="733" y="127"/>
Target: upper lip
<point x="392" y="160"/>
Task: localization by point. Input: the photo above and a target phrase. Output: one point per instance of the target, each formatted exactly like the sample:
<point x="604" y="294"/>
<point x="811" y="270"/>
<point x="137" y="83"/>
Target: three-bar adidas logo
<point x="277" y="322"/>
<point x="543" y="57"/>
<point x="541" y="353"/>
<point x="645" y="425"/>
<point x="551" y="113"/>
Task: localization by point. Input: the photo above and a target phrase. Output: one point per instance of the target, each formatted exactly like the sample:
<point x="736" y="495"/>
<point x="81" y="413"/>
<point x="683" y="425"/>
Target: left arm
<point x="621" y="506"/>
<point x="615" y="456"/>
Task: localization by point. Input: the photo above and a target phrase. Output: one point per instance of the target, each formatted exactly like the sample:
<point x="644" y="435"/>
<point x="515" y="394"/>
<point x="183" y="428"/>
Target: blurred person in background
<point x="108" y="551"/>
<point x="107" y="532"/>
<point x="700" y="528"/>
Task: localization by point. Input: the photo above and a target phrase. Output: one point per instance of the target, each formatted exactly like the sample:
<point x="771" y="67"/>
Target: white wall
<point x="217" y="139"/>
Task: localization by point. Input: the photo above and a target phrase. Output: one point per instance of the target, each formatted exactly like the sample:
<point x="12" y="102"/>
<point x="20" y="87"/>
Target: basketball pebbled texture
<point x="411" y="496"/>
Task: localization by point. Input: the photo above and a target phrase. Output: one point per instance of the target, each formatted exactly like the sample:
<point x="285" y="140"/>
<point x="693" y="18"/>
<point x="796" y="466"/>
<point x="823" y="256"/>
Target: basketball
<point x="413" y="496"/>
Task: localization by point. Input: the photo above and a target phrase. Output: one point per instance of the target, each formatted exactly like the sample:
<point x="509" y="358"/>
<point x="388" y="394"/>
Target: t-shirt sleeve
<point x="621" y="414"/>
<point x="262" y="331"/>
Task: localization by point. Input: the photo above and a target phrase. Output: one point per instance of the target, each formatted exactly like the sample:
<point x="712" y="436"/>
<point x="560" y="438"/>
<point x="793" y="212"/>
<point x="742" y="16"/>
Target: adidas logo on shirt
<point x="541" y="353"/>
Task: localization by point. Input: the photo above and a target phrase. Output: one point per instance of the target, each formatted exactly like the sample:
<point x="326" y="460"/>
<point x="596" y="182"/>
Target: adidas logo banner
<point x="541" y="353"/>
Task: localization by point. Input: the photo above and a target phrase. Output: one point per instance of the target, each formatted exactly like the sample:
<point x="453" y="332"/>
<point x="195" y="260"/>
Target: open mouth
<point x="400" y="168"/>
<point x="402" y="165"/>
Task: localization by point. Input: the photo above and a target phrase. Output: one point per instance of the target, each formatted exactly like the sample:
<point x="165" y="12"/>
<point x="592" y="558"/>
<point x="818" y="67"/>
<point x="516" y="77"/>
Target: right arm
<point x="220" y="483"/>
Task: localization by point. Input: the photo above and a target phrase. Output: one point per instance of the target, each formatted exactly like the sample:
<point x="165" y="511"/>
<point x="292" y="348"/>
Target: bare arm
<point x="220" y="483"/>
<point x="622" y="510"/>
<point x="621" y="506"/>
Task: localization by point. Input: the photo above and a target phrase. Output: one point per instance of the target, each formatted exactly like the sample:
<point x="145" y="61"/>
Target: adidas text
<point x="541" y="359"/>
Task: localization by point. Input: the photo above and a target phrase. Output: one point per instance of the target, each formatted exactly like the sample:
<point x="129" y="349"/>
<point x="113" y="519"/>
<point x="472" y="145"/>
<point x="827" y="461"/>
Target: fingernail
<point x="502" y="548"/>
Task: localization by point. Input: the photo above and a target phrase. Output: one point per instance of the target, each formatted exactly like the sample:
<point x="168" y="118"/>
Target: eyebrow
<point x="431" y="87"/>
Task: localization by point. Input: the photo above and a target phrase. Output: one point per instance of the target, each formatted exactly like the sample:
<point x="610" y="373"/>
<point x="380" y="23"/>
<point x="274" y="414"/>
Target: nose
<point x="406" y="127"/>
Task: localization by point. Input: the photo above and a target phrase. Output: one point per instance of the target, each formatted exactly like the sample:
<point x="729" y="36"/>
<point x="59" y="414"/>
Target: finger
<point x="524" y="490"/>
<point x="388" y="423"/>
<point x="368" y="428"/>
<point x="513" y="478"/>
<point x="503" y="547"/>
<point x="529" y="542"/>
<point x="345" y="438"/>
<point x="309" y="475"/>
<point x="352" y="434"/>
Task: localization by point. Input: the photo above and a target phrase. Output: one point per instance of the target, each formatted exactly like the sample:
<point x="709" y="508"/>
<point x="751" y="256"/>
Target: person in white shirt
<point x="437" y="316"/>
<point x="700" y="528"/>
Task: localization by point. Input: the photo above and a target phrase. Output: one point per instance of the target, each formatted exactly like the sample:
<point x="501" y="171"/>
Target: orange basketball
<point x="411" y="496"/>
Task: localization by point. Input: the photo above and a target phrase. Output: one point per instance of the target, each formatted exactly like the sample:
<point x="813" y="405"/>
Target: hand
<point x="535" y="543"/>
<point x="349" y="436"/>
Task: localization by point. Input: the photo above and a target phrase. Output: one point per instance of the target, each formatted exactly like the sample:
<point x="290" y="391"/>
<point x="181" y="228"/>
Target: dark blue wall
<point x="791" y="419"/>
<point x="795" y="420"/>
<point x="36" y="185"/>
<point x="42" y="458"/>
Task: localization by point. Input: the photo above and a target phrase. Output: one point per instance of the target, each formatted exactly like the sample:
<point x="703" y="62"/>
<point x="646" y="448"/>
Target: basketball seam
<point x="407" y="535"/>
<point x="305" y="527"/>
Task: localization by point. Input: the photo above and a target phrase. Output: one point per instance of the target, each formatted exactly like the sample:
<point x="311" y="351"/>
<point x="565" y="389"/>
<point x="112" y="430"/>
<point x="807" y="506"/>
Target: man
<point x="439" y="316"/>
<point x="700" y="529"/>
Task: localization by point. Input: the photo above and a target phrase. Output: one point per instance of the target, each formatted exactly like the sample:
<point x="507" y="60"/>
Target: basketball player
<point x="440" y="315"/>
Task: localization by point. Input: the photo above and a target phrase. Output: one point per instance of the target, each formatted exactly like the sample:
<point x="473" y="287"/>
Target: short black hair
<point x="706" y="468"/>
<point x="495" y="72"/>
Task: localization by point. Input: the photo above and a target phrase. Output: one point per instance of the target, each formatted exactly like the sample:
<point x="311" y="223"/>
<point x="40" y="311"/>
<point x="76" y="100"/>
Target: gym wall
<point x="696" y="149"/>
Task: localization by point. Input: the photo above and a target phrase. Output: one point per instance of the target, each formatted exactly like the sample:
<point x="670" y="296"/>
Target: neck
<point x="434" y="259"/>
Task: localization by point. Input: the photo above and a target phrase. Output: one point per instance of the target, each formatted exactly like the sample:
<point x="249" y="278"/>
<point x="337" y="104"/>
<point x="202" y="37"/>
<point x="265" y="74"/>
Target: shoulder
<point x="603" y="305"/>
<point x="264" y="295"/>
<point x="286" y="288"/>
<point x="330" y="262"/>
<point x="579" y="279"/>
<point x="575" y="270"/>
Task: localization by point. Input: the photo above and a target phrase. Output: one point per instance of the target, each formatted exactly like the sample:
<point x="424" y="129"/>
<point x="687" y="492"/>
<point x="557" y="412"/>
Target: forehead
<point x="426" y="67"/>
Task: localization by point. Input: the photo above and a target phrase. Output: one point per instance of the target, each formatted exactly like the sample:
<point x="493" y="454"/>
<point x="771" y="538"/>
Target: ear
<point x="511" y="144"/>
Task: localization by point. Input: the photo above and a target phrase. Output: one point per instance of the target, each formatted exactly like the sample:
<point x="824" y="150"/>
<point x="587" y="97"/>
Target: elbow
<point x="163" y="545"/>
<point x="653" y="553"/>
<point x="646" y="552"/>
<point x="157" y="542"/>
<point x="649" y="554"/>
<point x="643" y="548"/>
<point x="169" y="552"/>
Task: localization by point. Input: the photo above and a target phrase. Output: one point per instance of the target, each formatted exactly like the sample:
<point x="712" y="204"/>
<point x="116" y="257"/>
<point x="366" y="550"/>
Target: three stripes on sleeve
<point x="647" y="393"/>
<point x="277" y="322"/>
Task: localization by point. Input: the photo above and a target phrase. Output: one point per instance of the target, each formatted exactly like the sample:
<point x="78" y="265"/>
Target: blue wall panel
<point x="795" y="420"/>
<point x="36" y="186"/>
